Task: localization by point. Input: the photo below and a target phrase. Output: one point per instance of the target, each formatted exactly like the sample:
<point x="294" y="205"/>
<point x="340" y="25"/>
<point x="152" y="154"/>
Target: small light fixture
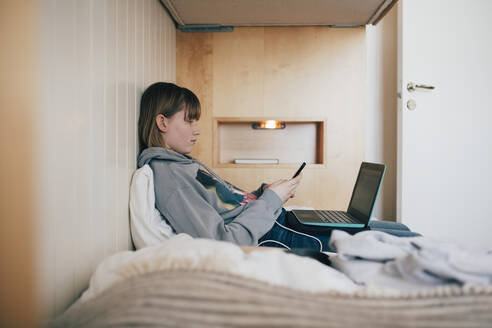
<point x="268" y="125"/>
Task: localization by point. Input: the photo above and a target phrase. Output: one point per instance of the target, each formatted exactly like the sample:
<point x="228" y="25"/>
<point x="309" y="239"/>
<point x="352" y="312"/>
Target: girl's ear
<point x="161" y="122"/>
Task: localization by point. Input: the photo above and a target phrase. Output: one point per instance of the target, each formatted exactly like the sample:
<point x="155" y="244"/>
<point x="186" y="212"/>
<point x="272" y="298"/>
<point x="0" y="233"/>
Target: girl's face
<point x="179" y="134"/>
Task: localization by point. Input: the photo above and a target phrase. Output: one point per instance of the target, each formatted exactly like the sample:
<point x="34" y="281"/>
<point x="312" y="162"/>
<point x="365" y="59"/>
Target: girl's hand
<point x="285" y="188"/>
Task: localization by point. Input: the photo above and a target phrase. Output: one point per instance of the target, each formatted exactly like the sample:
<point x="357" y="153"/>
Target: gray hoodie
<point x="191" y="208"/>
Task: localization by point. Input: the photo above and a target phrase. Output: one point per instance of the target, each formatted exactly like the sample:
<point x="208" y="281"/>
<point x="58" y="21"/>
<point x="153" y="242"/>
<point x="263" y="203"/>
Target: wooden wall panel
<point x="285" y="72"/>
<point x="18" y="285"/>
<point x="194" y="59"/>
<point x="238" y="73"/>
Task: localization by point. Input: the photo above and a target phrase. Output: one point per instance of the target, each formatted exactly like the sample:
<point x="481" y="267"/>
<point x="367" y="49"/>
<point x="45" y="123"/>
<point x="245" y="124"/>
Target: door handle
<point x="411" y="87"/>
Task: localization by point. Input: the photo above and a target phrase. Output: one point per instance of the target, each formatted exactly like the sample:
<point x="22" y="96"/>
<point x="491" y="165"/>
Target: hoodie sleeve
<point x="258" y="192"/>
<point x="188" y="212"/>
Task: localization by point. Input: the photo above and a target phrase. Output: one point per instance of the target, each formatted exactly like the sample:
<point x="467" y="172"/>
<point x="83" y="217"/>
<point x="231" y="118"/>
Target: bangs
<point x="191" y="106"/>
<point x="192" y="113"/>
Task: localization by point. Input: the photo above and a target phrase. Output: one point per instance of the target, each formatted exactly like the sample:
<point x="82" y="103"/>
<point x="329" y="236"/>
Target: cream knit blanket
<point x="196" y="298"/>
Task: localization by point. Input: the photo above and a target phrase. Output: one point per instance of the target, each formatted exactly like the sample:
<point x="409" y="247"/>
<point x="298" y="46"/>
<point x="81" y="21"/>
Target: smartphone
<point x="299" y="170"/>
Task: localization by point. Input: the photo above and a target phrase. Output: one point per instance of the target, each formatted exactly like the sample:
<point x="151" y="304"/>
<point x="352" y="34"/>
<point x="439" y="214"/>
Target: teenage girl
<point x="195" y="200"/>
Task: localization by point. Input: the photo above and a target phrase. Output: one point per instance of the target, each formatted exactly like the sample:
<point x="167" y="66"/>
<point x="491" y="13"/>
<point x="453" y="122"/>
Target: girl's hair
<point x="166" y="99"/>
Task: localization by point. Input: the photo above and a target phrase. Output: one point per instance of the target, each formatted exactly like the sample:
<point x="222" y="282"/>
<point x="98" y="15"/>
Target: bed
<point x="189" y="282"/>
<point x="177" y="280"/>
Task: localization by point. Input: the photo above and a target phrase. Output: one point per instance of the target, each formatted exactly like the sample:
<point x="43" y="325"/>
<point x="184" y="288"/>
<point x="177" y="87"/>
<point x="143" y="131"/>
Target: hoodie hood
<point x="169" y="155"/>
<point x="163" y="154"/>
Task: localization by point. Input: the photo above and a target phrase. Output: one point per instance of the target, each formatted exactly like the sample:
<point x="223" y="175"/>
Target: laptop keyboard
<point x="334" y="217"/>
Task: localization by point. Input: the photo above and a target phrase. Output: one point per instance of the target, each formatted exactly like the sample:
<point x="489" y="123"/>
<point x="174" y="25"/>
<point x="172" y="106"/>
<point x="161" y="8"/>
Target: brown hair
<point x="166" y="99"/>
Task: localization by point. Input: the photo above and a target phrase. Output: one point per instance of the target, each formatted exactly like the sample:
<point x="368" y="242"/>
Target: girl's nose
<point x="196" y="130"/>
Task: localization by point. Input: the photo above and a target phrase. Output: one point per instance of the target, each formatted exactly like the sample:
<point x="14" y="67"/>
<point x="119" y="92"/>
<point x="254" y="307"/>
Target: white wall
<point x="97" y="57"/>
<point x="381" y="114"/>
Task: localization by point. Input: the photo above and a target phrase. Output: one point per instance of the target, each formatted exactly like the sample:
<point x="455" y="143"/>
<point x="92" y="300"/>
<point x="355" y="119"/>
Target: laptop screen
<point x="365" y="191"/>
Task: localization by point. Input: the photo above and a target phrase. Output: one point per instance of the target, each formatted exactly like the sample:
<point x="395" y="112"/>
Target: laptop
<point x="360" y="208"/>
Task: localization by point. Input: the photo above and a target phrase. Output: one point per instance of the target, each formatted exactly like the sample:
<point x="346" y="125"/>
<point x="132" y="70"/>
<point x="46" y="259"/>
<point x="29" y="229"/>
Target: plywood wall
<point x="284" y="72"/>
<point x="17" y="116"/>
<point x="97" y="58"/>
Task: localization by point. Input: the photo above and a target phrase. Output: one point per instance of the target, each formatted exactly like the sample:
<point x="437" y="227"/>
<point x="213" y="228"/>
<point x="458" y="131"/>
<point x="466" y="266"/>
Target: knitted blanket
<point x="197" y="298"/>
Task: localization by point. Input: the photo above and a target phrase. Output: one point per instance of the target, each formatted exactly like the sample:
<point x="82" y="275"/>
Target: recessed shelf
<point x="298" y="141"/>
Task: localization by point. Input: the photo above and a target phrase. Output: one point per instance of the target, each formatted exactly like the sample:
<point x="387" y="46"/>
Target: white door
<point x="445" y="138"/>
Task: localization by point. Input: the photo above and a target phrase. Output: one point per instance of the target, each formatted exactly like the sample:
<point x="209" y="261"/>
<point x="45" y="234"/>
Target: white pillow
<point x="148" y="226"/>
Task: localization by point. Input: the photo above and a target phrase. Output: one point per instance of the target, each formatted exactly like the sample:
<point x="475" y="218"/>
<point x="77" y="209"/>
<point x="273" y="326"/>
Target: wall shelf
<point x="302" y="140"/>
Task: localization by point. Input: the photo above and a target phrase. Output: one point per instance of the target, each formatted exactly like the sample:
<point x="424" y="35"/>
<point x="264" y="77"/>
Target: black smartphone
<point x="299" y="170"/>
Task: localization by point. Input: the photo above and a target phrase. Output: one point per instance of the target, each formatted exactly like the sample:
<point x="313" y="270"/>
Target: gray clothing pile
<point x="382" y="260"/>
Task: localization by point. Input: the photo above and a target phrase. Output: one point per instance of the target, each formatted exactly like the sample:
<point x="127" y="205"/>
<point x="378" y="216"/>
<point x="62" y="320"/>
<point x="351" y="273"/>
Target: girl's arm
<point x="188" y="212"/>
<point x="258" y="192"/>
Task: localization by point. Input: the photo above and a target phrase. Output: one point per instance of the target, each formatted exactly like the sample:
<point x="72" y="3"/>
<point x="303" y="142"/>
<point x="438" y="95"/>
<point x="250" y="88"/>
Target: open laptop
<point x="361" y="204"/>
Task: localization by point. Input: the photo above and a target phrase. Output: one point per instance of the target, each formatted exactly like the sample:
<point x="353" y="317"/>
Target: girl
<point x="195" y="200"/>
